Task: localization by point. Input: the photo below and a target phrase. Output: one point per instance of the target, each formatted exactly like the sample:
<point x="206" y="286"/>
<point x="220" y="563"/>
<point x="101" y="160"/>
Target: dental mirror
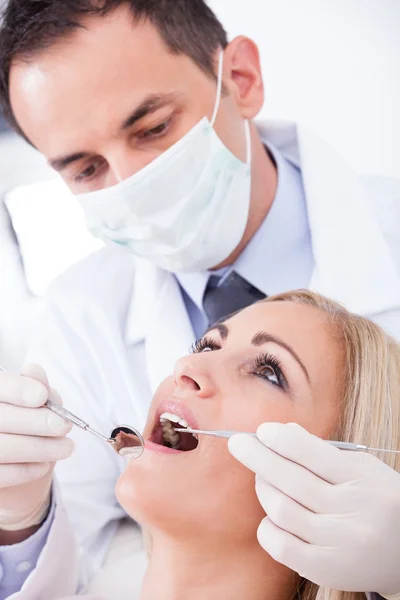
<point x="127" y="442"/>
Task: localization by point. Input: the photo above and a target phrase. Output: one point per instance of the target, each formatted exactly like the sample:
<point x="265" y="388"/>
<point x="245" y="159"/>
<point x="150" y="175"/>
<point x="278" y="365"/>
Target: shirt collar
<point x="263" y="261"/>
<point x="283" y="241"/>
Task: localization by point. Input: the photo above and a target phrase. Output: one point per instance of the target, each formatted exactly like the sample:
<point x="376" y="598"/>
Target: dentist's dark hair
<point x="29" y="27"/>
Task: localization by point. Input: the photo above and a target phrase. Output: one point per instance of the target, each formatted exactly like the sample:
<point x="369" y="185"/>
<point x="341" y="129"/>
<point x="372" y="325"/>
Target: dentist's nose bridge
<point x="124" y="161"/>
<point x="196" y="373"/>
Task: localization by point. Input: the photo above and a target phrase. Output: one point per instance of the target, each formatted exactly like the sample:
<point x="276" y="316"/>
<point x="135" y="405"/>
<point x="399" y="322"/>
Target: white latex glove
<point x="333" y="516"/>
<point x="31" y="442"/>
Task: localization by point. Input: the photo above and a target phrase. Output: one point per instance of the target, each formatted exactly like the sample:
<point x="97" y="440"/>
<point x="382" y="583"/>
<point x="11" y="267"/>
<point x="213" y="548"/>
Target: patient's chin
<point x="167" y="508"/>
<point x="182" y="504"/>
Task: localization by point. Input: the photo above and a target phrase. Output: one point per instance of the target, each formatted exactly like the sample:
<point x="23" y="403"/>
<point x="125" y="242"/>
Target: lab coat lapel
<point x="353" y="263"/>
<point x="158" y="315"/>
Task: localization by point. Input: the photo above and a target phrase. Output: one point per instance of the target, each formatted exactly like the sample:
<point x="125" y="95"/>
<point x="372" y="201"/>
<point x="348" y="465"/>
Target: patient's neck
<point x="216" y="570"/>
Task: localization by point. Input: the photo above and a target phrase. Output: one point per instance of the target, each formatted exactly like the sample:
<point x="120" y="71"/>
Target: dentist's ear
<point x="243" y="77"/>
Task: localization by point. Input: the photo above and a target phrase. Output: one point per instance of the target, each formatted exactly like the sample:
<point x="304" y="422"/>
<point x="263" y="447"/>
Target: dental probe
<point x="341" y="445"/>
<point x="126" y="441"/>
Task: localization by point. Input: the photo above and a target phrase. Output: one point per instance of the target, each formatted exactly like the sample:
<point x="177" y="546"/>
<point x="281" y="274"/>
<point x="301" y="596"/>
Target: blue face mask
<point x="185" y="211"/>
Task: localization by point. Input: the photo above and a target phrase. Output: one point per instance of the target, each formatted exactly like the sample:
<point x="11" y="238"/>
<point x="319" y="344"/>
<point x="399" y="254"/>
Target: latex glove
<point x="333" y="515"/>
<point x="31" y="441"/>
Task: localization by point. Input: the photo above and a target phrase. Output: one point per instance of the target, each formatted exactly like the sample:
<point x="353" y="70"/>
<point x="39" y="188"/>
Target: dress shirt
<point x="19" y="560"/>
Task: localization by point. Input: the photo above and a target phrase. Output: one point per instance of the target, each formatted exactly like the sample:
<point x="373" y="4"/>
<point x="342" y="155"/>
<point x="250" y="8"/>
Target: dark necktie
<point x="231" y="295"/>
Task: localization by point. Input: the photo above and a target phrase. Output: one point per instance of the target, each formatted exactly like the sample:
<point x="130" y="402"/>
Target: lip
<point x="177" y="408"/>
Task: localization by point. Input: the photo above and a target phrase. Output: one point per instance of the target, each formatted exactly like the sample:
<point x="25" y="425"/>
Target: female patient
<point x="293" y="358"/>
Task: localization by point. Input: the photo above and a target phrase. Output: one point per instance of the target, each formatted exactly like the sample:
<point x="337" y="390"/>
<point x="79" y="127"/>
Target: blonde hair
<point x="371" y="402"/>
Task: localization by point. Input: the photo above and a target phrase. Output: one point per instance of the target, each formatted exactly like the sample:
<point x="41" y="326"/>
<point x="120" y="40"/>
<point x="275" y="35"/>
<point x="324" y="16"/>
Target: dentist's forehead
<point x="77" y="91"/>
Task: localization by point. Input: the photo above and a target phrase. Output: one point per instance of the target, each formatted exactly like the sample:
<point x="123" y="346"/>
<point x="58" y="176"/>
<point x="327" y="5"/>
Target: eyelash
<point x="205" y="342"/>
<point x="269" y="361"/>
<point x="95" y="165"/>
<point x="262" y="362"/>
<point x="149" y="133"/>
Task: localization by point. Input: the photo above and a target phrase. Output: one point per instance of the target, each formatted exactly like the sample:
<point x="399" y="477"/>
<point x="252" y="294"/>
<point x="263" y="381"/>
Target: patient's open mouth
<point x="164" y="433"/>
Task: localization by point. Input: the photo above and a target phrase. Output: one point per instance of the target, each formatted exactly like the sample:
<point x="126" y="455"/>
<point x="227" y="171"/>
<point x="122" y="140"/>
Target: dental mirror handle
<point x="69" y="416"/>
<point x="341" y="445"/>
<point x="133" y="445"/>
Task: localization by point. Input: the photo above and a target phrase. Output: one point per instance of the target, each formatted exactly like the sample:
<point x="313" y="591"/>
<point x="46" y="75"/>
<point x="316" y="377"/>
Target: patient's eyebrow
<point x="264" y="338"/>
<point x="223" y="330"/>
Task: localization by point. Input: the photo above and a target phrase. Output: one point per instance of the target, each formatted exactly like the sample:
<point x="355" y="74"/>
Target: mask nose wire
<point x="217" y="105"/>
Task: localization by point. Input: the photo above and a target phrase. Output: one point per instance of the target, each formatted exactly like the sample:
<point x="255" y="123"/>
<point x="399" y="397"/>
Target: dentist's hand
<point x="32" y="440"/>
<point x="333" y="516"/>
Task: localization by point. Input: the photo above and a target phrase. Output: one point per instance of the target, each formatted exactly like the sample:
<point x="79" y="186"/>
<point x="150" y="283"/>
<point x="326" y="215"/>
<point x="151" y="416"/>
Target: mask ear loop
<point x="248" y="141"/>
<point x="218" y="102"/>
<point x="219" y="88"/>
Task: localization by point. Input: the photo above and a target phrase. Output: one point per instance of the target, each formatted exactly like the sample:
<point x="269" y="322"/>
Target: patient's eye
<point x="206" y="344"/>
<point x="269" y="367"/>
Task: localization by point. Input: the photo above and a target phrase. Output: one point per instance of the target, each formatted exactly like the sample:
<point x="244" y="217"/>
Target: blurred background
<point x="334" y="66"/>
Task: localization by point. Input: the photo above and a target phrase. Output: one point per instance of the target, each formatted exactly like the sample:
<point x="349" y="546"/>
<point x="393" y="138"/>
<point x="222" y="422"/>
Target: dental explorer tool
<point x="341" y="445"/>
<point x="126" y="441"/>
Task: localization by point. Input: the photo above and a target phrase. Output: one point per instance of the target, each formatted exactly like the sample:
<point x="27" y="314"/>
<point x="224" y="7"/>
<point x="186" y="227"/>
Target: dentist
<point x="147" y="113"/>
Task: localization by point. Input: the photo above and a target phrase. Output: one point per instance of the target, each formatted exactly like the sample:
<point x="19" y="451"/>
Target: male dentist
<point x="146" y="111"/>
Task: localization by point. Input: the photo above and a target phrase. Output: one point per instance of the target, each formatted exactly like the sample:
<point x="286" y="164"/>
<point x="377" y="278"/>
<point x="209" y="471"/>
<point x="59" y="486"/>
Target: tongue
<point x="188" y="442"/>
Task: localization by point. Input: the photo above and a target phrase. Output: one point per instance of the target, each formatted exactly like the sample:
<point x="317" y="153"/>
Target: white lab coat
<point x="115" y="326"/>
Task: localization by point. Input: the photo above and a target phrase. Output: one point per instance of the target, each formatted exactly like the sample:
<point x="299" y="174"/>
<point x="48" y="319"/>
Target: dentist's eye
<point x="155" y="132"/>
<point x="90" y="171"/>
<point x="86" y="174"/>
<point x="206" y="344"/>
<point x="269" y="367"/>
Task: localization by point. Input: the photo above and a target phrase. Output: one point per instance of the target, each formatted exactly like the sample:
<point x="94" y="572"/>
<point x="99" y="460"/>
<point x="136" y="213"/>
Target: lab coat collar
<point x="353" y="263"/>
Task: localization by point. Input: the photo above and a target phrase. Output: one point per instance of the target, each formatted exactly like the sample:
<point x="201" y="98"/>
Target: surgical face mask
<point x="185" y="211"/>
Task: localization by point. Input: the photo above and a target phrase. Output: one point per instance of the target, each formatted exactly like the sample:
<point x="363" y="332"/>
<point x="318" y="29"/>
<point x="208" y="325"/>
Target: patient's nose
<point x="193" y="376"/>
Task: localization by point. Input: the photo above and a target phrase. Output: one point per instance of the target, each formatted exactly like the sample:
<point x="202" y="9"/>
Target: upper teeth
<point x="174" y="419"/>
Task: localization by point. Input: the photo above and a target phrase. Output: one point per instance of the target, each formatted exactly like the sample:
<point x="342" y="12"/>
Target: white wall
<point x="333" y="65"/>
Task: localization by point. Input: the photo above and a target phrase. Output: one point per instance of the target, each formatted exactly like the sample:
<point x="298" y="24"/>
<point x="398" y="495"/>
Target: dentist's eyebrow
<point x="264" y="338"/>
<point x="59" y="164"/>
<point x="149" y="105"/>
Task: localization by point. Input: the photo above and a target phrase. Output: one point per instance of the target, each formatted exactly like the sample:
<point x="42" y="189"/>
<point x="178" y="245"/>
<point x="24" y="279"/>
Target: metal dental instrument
<point x="341" y="445"/>
<point x="126" y="441"/>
